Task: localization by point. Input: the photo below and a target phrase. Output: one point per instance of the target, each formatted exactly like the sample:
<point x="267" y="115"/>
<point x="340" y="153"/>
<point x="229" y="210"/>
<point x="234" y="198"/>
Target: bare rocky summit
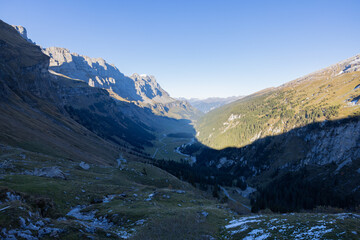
<point x="22" y="32"/>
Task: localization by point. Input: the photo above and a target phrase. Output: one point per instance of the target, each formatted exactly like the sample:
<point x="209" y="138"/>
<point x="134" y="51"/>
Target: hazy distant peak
<point x="208" y="104"/>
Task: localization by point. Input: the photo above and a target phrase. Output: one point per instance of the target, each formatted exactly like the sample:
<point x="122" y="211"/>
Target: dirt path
<point x="157" y="149"/>
<point x="232" y="199"/>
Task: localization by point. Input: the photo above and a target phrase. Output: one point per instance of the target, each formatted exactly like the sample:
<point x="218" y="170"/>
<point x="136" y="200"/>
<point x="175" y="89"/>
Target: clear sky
<point x="198" y="48"/>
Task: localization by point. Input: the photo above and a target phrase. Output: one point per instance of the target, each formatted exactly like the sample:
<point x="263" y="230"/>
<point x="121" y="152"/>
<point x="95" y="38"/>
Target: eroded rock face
<point x="22" y="32"/>
<point x="318" y="144"/>
<point x="98" y="73"/>
<point x="334" y="144"/>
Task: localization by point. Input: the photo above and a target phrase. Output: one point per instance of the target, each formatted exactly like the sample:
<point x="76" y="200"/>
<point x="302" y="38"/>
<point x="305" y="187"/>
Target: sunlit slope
<point x="331" y="93"/>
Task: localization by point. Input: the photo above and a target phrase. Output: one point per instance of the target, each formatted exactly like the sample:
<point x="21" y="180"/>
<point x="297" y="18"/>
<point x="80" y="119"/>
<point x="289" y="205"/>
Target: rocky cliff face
<point x="149" y="90"/>
<point x="318" y="164"/>
<point x="41" y="109"/>
<point x="24" y="66"/>
<point x="143" y="90"/>
<point x="22" y="32"/>
<point x="95" y="71"/>
<point x="330" y="142"/>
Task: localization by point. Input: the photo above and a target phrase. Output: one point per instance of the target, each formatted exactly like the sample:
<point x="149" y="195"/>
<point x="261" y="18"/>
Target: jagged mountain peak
<point x="143" y="76"/>
<point x="143" y="89"/>
<point x="23" y="32"/>
<point x="60" y="55"/>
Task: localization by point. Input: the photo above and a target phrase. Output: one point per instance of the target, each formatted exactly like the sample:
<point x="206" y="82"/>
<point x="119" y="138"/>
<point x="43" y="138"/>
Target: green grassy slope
<point x="116" y="202"/>
<point x="323" y="95"/>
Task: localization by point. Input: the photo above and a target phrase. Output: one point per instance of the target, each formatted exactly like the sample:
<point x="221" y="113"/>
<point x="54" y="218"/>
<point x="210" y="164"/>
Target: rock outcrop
<point x="22" y="32"/>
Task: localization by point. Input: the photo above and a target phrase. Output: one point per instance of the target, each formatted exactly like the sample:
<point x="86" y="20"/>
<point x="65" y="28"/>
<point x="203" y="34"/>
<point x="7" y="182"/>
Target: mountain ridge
<point x="211" y="103"/>
<point x="143" y="89"/>
<point x="329" y="93"/>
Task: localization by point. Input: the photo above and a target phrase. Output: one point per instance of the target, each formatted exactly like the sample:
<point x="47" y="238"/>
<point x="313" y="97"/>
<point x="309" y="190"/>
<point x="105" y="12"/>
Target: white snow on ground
<point x="342" y="216"/>
<point x="151" y="195"/>
<point x="261" y="227"/>
<point x="254" y="235"/>
<point x="242" y="221"/>
<point x="239" y="230"/>
<point x="314" y="233"/>
<point x="76" y="213"/>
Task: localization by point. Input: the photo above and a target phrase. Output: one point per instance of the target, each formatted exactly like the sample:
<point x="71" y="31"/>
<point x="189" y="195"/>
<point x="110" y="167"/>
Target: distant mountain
<point x="208" y="104"/>
<point x="142" y="90"/>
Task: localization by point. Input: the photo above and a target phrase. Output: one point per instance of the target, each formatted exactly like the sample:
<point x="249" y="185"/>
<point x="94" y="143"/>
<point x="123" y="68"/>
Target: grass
<point x="88" y="187"/>
<point x="324" y="97"/>
<point x="165" y="148"/>
<point x="192" y="213"/>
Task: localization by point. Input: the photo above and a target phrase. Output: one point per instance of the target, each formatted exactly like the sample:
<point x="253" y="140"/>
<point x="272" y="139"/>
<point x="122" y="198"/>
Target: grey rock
<point x="23" y="33"/>
<point x="98" y="73"/>
<point x="6" y="164"/>
<point x="51" y="172"/>
<point x="84" y="166"/>
<point x="141" y="89"/>
<point x="180" y="191"/>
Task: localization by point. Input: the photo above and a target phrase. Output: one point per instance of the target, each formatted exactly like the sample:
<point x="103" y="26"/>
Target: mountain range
<point x="142" y="90"/>
<point x="87" y="152"/>
<point x="208" y="104"/>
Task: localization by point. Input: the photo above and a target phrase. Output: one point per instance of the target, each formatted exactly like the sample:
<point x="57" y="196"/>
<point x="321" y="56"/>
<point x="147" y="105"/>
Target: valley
<point x="87" y="152"/>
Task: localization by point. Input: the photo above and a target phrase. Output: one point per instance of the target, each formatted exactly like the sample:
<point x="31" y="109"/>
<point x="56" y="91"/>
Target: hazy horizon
<point x="199" y="49"/>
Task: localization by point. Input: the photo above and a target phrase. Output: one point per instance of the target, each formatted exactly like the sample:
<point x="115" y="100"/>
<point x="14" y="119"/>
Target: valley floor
<point x="43" y="197"/>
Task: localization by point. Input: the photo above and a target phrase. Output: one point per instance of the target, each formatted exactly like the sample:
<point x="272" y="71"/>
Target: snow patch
<point x="253" y="235"/>
<point x="241" y="221"/>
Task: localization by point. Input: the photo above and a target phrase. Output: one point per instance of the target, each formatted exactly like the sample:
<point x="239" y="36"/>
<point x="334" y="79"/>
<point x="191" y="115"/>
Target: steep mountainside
<point x="208" y="104"/>
<point x="298" y="144"/>
<point x="70" y="165"/>
<point x="142" y="90"/>
<point x="328" y="94"/>
<point x="52" y="114"/>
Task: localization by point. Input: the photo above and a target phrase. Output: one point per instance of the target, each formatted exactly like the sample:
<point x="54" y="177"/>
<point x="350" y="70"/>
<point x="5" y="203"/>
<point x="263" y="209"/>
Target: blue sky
<point x="198" y="48"/>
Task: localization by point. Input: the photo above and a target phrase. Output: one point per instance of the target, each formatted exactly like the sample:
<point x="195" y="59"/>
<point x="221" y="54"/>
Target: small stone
<point x="84" y="166"/>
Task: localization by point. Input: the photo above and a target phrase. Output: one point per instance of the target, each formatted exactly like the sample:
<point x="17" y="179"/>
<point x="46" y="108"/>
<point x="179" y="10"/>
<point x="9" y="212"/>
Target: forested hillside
<point x="328" y="94"/>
